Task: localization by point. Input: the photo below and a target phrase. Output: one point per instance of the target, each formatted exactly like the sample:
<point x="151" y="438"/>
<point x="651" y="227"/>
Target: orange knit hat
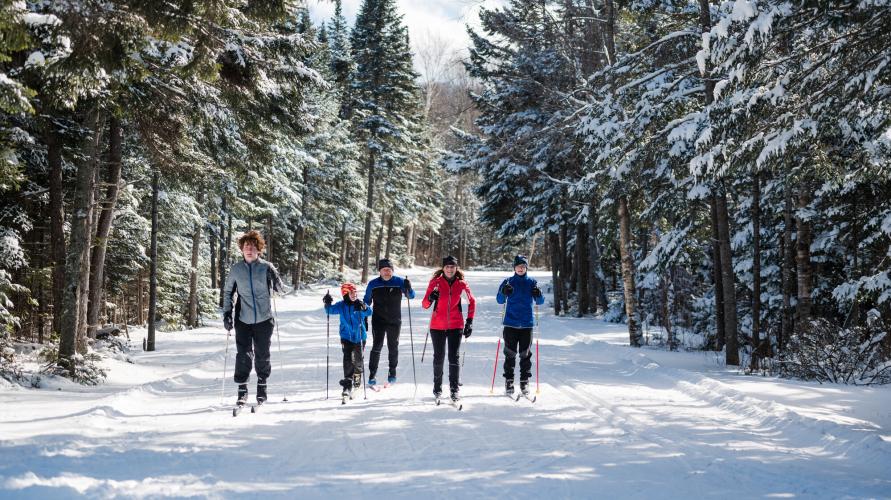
<point x="347" y="288"/>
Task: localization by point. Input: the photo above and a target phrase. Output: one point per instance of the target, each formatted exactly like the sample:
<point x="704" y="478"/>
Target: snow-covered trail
<point x="610" y="422"/>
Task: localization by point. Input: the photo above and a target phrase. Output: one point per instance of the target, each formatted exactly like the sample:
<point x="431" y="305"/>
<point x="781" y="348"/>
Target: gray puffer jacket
<point x="254" y="284"/>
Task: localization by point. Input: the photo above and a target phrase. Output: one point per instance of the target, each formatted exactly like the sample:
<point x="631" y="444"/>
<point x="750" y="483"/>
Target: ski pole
<point x="495" y="368"/>
<point x="225" y="367"/>
<point x="362" y="370"/>
<point x="327" y="350"/>
<point x="281" y="362"/>
<point x="537" y="364"/>
<point x="411" y="340"/>
<point x="424" y="351"/>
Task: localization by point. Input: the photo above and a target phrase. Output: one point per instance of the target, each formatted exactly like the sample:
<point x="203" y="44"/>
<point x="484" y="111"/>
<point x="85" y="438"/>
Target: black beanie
<point x="384" y="263"/>
<point x="521" y="260"/>
<point x="449" y="261"/>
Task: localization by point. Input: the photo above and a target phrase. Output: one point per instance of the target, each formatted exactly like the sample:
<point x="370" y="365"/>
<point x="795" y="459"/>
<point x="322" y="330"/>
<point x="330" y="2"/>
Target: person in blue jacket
<point x="352" y="313"/>
<point x="386" y="292"/>
<point x="518" y="292"/>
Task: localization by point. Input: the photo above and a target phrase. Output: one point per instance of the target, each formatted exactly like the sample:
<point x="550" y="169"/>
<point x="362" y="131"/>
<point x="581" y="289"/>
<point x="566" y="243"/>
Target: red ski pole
<point x="495" y="368"/>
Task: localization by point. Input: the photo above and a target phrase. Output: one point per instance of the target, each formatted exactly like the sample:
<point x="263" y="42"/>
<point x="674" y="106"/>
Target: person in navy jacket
<point x="386" y="292"/>
<point x="352" y="313"/>
<point x="518" y="292"/>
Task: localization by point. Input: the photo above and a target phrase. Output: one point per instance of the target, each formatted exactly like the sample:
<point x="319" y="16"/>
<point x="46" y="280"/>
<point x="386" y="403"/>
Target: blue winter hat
<point x="384" y="263"/>
<point x="521" y="260"/>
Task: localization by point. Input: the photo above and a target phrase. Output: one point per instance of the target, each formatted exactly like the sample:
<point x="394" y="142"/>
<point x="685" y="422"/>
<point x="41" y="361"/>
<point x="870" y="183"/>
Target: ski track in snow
<point x="610" y="422"/>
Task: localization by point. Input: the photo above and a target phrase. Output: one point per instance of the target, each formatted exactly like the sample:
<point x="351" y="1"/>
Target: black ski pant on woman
<point x="352" y="363"/>
<point x="440" y="338"/>
<point x="252" y="343"/>
<point x="517" y="341"/>
<point x="380" y="331"/>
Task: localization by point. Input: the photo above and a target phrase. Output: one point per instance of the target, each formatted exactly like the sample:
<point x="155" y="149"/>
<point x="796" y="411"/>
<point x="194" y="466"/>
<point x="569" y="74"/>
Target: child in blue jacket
<point x="518" y="292"/>
<point x="352" y="313"/>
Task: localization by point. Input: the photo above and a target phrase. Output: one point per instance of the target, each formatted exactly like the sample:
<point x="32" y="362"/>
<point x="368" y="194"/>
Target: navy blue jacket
<point x="352" y="320"/>
<point x="387" y="299"/>
<point x="519" y="304"/>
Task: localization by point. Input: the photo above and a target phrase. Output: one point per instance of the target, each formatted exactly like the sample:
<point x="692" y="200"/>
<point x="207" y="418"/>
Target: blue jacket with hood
<point x="518" y="313"/>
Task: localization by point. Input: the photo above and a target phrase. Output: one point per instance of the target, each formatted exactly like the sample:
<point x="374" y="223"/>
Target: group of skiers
<point x="254" y="281"/>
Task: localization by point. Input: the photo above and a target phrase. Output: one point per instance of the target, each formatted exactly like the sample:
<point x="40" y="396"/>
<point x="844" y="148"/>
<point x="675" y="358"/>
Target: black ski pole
<point x="424" y="351"/>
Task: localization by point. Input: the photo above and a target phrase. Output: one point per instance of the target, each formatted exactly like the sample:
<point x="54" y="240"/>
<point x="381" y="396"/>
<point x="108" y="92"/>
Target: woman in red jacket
<point x="447" y="322"/>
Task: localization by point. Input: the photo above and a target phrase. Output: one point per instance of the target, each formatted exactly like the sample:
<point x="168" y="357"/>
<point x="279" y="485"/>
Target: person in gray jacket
<point x="253" y="280"/>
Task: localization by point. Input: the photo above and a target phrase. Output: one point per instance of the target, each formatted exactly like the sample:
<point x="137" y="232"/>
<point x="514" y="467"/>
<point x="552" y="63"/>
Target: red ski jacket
<point x="447" y="310"/>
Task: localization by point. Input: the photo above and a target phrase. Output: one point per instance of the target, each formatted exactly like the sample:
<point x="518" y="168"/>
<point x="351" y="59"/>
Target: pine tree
<point x="385" y="101"/>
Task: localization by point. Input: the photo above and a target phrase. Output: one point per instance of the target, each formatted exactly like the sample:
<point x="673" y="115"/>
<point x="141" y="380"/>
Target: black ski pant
<point x="440" y="338"/>
<point x="517" y="341"/>
<point x="379" y="332"/>
<point x="252" y="343"/>
<point x="352" y="363"/>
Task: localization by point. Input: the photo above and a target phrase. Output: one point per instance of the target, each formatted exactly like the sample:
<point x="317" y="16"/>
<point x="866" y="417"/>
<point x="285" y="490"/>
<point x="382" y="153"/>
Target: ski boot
<point x="509" y="386"/>
<point x="524" y="387"/>
<point x="437" y="396"/>
<point x="391" y="380"/>
<point x="242" y="395"/>
<point x="454" y="396"/>
<point x="261" y="391"/>
<point x="372" y="382"/>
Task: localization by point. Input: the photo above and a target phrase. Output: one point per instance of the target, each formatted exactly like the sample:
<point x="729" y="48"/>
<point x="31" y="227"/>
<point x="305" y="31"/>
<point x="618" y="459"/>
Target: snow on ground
<point x="610" y="422"/>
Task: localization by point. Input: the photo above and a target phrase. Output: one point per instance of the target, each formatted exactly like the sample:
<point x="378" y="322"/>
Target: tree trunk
<point x="140" y="299"/>
<point x="756" y="266"/>
<point x="192" y="319"/>
<point x="532" y="248"/>
<point x="389" y="236"/>
<point x="411" y="243"/>
<point x="57" y="221"/>
<point x="224" y="247"/>
<point x="803" y="256"/>
<point x="77" y="265"/>
<point x="727" y="279"/>
<point x="582" y="257"/>
<point x="301" y="258"/>
<point x="788" y="268"/>
<point x="555" y="272"/>
<point x="369" y="211"/>
<point x="566" y="263"/>
<point x="716" y="276"/>
<point x="213" y="258"/>
<point x="270" y="238"/>
<point x="153" y="264"/>
<point x="379" y="241"/>
<point x="634" y="334"/>
<point x="97" y="262"/>
<point x="343" y="246"/>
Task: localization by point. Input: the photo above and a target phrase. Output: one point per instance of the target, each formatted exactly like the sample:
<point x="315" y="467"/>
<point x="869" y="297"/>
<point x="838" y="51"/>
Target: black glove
<point x="328" y="299"/>
<point x="507" y="290"/>
<point x="536" y="292"/>
<point x="468" y="327"/>
<point x="406" y="287"/>
<point x="434" y="296"/>
<point x="227" y="320"/>
<point x="360" y="305"/>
